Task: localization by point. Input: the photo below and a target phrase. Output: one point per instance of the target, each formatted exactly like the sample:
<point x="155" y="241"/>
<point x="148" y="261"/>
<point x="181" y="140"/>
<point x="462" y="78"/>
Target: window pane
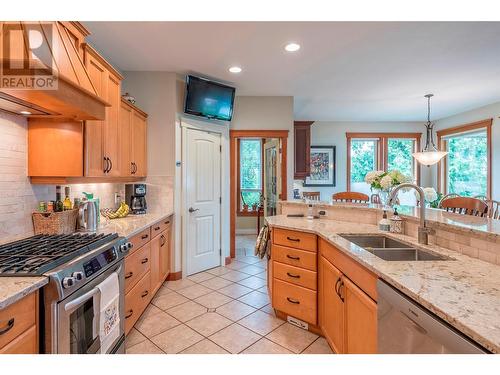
<point x="468" y="164"/>
<point x="250" y="164"/>
<point x="363" y="160"/>
<point x="250" y="197"/>
<point x="399" y="156"/>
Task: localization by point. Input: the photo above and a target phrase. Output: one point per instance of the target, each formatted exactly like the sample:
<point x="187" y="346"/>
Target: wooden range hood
<point x="74" y="97"/>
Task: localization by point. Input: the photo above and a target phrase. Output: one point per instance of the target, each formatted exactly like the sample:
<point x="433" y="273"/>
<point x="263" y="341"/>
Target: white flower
<point x="430" y="194"/>
<point x="386" y="182"/>
<point x="372" y="176"/>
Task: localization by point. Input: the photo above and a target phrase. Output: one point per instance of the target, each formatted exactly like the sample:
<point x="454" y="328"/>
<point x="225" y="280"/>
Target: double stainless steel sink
<point x="390" y="249"/>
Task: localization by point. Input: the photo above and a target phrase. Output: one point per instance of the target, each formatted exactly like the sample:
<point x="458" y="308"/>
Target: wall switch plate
<point x="297" y="322"/>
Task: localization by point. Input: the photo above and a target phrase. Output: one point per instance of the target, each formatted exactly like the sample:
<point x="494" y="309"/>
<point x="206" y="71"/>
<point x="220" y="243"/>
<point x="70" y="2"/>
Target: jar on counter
<point x="396" y="223"/>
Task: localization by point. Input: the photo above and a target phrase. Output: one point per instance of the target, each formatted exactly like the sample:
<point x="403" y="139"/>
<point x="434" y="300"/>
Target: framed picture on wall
<point x="322" y="166"/>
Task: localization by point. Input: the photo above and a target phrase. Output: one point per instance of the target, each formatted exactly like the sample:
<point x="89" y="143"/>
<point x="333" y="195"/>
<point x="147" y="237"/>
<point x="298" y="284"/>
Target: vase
<point x="384" y="196"/>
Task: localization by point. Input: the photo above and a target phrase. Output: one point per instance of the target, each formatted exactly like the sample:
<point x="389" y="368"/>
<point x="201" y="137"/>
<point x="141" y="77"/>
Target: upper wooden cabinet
<point x="133" y="144"/>
<point x="302" y="138"/>
<point x="102" y="138"/>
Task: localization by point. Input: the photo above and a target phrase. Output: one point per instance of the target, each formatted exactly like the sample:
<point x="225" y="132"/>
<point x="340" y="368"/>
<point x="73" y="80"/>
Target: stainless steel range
<point x="76" y="265"/>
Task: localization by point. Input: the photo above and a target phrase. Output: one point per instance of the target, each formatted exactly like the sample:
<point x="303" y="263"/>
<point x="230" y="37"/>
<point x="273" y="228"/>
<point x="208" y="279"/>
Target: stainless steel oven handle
<point x="78" y="301"/>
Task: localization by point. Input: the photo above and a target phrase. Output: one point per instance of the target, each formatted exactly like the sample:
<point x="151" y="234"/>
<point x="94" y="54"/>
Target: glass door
<point x="272" y="181"/>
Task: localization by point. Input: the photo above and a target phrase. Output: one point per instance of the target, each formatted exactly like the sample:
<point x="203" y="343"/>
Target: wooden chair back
<point x="350" y="196"/>
<point x="493" y="209"/>
<point x="311" y="195"/>
<point x="465" y="206"/>
<point x="451" y="195"/>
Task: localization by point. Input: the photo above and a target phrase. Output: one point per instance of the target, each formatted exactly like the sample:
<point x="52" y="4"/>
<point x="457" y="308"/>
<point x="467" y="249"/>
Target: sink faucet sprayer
<point x="423" y="231"/>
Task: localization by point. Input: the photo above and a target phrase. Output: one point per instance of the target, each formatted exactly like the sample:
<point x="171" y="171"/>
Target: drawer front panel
<point x="298" y="240"/>
<point x="17" y="318"/>
<point x="136" y="301"/>
<point x="294" y="257"/>
<point x="295" y="275"/>
<point x="25" y="343"/>
<point x="140" y="239"/>
<point x="159" y="227"/>
<point x="295" y="301"/>
<point x="137" y="265"/>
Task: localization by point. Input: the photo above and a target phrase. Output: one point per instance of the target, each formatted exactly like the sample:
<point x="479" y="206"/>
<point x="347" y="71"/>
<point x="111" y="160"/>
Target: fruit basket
<point x="110" y="213"/>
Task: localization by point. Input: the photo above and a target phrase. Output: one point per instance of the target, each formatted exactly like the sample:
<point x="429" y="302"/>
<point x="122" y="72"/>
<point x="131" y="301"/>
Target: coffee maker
<point x="135" y="197"/>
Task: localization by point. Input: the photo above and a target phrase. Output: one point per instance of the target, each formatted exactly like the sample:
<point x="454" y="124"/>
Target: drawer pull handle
<point x="144" y="236"/>
<point x="292" y="258"/>
<point x="294" y="301"/>
<point x="167" y="222"/>
<point x="144" y="294"/>
<point x="8" y="327"/>
<point x="163" y="240"/>
<point x="129" y="314"/>
<point x="145" y="260"/>
<point x="292" y="275"/>
<point x="293" y="239"/>
<point x="129" y="275"/>
<point x="157" y="228"/>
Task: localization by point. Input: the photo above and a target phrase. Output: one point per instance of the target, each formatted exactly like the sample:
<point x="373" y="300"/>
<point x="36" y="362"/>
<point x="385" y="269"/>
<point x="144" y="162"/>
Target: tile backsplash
<point x="18" y="197"/>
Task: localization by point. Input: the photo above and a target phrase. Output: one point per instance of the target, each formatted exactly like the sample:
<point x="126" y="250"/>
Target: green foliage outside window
<point x="468" y="165"/>
<point x="250" y="171"/>
<point x="362" y="159"/>
<point x="399" y="156"/>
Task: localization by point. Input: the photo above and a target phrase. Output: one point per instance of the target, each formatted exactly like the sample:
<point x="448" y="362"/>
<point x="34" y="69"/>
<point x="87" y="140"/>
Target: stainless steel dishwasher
<point x="406" y="327"/>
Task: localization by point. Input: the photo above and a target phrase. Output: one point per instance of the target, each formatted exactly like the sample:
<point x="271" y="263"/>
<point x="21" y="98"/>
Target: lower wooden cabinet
<point x="25" y="343"/>
<point x="137" y="300"/>
<point x="160" y="259"/>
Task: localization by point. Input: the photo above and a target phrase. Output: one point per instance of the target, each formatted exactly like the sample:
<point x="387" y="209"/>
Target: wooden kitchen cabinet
<point x="160" y="259"/>
<point x="102" y="138"/>
<point x="302" y="139"/>
<point x="133" y="129"/>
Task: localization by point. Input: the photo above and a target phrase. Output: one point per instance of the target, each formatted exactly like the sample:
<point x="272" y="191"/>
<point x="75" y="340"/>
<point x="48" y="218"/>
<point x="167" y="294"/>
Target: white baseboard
<point x="246" y="231"/>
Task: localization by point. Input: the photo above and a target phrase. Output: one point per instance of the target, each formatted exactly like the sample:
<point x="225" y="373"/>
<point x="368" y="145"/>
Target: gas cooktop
<point x="38" y="254"/>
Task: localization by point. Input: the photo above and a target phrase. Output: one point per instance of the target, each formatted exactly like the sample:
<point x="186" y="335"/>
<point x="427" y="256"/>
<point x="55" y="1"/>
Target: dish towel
<point x="262" y="244"/>
<point x="109" y="314"/>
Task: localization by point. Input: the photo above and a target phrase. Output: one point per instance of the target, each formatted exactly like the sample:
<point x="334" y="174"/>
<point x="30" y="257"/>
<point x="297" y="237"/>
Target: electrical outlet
<point x="297" y="322"/>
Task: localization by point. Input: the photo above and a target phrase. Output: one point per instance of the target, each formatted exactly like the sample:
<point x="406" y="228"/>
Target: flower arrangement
<point x="431" y="196"/>
<point x="385" y="181"/>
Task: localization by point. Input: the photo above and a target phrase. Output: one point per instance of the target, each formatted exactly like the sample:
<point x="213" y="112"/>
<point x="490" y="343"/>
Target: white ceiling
<point x="345" y="71"/>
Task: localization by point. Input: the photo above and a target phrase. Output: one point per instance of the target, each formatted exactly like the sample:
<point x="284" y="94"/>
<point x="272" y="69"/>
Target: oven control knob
<point x="68" y="282"/>
<point x="129" y="245"/>
<point x="123" y="248"/>
<point x="78" y="276"/>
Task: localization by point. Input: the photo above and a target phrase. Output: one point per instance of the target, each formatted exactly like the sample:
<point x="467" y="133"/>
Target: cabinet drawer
<point x="294" y="257"/>
<point x="140" y="239"/>
<point x="17" y="318"/>
<point x="298" y="240"/>
<point x="25" y="343"/>
<point x="295" y="275"/>
<point x="136" y="301"/>
<point x="294" y="300"/>
<point x="137" y="265"/>
<point x="160" y="226"/>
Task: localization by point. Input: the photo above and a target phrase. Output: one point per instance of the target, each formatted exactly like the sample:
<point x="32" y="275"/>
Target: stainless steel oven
<point x="78" y="318"/>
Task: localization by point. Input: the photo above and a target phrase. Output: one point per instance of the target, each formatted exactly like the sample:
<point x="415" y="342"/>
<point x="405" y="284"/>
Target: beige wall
<point x="482" y="113"/>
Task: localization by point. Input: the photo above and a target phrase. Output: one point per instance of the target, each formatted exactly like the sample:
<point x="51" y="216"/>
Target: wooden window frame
<point x="239" y="211"/>
<point x="382" y="147"/>
<point x="457" y="130"/>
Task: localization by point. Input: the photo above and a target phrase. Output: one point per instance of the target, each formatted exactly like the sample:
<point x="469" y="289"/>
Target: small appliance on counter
<point x="135" y="197"/>
<point x="88" y="214"/>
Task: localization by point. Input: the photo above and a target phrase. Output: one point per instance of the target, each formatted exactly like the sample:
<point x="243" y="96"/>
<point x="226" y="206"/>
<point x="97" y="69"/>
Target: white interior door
<point x="272" y="176"/>
<point x="203" y="197"/>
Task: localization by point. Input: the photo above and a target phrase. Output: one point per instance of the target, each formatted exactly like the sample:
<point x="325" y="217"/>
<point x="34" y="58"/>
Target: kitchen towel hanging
<point x="109" y="315"/>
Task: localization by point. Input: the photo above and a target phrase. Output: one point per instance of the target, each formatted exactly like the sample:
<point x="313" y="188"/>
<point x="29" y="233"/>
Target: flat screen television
<point x="208" y="99"/>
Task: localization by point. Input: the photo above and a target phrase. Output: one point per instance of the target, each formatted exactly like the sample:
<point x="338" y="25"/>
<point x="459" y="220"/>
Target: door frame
<point x="180" y="208"/>
<point x="233" y="173"/>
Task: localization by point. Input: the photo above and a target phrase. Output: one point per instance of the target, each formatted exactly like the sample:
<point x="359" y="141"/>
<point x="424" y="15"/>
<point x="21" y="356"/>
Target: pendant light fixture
<point x="430" y="154"/>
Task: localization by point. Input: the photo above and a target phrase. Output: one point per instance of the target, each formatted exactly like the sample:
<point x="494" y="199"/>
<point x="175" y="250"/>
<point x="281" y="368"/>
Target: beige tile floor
<point x="220" y="311"/>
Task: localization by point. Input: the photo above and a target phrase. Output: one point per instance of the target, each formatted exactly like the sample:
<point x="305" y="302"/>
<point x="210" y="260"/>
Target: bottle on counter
<point x="384" y="224"/>
<point x="310" y="211"/>
<point x="396" y="222"/>
<point x="58" y="205"/>
<point x="67" y="201"/>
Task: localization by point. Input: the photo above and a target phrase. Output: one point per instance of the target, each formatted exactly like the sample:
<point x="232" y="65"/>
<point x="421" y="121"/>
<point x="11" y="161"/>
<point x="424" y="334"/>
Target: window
<point x="466" y="170"/>
<point x="384" y="151"/>
<point x="250" y="174"/>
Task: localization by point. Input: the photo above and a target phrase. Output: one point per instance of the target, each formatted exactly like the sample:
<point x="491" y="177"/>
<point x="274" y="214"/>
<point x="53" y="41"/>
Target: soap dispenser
<point x="396" y="222"/>
<point x="384" y="224"/>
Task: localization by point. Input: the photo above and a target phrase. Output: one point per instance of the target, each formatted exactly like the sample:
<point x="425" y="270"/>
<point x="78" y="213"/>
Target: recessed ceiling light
<point x="292" y="47"/>
<point x="235" y="69"/>
<point x="25" y="113"/>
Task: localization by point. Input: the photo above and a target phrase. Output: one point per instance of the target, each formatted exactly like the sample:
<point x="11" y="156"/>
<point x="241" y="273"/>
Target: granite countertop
<point x="486" y="227"/>
<point x="14" y="288"/>
<point x="132" y="224"/>
<point x="465" y="292"/>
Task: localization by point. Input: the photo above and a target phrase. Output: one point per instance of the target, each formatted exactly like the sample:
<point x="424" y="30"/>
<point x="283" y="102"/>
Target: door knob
<point x="191" y="209"/>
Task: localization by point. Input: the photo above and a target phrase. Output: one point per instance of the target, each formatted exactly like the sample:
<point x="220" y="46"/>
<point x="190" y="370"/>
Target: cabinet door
<point x="125" y="125"/>
<point x="111" y="128"/>
<point x="331" y="306"/>
<point x="360" y="320"/>
<point x="155" y="263"/>
<point x="139" y="139"/>
<point x="302" y="139"/>
<point x="165" y="250"/>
